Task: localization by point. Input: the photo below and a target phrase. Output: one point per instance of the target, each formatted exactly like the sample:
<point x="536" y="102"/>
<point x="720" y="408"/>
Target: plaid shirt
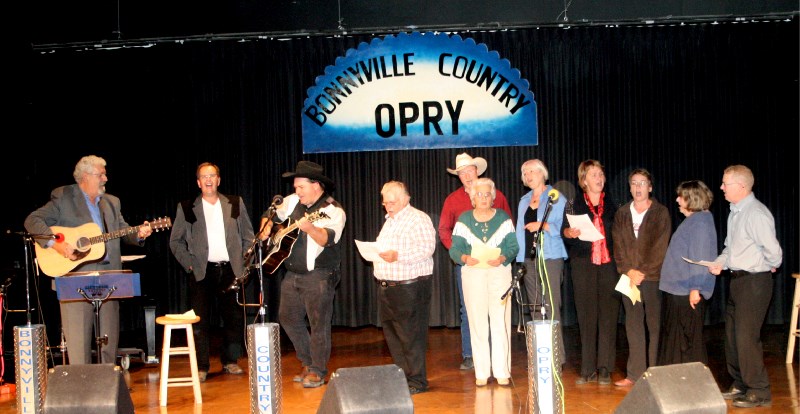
<point x="410" y="232"/>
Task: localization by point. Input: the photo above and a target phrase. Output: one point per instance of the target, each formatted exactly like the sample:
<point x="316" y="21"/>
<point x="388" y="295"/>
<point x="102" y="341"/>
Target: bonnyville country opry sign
<point x="418" y="91"/>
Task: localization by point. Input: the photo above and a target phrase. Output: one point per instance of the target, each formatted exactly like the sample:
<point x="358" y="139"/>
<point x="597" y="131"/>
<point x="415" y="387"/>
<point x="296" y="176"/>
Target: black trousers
<point x="748" y="302"/>
<point x="206" y="297"/>
<point x="404" y="312"/>
<point x="597" y="306"/>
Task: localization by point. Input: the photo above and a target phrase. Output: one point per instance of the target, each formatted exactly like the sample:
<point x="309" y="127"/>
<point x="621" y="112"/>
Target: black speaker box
<point x="678" y="388"/>
<point x="87" y="389"/>
<point x="375" y="389"/>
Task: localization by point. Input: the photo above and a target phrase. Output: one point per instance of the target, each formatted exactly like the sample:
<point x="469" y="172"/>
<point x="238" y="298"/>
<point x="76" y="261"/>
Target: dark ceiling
<point x="58" y="22"/>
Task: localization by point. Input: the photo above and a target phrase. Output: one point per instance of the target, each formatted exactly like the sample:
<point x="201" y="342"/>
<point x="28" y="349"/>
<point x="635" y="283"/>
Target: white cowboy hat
<point x="464" y="160"/>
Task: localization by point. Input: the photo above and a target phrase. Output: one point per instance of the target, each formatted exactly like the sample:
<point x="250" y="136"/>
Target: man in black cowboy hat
<point x="312" y="267"/>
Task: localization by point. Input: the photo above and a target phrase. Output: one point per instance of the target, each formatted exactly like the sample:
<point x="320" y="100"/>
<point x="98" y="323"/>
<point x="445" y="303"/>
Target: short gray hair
<point x="85" y="166"/>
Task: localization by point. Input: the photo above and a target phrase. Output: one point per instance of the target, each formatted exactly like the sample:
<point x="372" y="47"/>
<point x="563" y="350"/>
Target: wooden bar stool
<point x="165" y="381"/>
<point x="794" y="331"/>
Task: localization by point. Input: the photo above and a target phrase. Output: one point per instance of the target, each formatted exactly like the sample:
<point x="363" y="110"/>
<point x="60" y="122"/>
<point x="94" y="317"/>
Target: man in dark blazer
<point x="73" y="206"/>
<point x="209" y="236"/>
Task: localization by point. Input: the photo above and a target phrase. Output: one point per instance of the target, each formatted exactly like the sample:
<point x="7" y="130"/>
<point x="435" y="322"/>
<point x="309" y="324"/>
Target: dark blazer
<point x="645" y="253"/>
<point x="67" y="208"/>
<point x="189" y="240"/>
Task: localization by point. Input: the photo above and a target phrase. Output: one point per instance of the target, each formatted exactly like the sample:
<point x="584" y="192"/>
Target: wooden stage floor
<point x="451" y="390"/>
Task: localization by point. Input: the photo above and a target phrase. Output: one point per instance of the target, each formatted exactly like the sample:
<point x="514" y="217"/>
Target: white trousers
<point x="489" y="319"/>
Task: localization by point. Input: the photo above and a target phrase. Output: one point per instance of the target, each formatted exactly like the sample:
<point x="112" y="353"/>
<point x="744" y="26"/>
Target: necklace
<point x="485" y="230"/>
<point x="478" y="222"/>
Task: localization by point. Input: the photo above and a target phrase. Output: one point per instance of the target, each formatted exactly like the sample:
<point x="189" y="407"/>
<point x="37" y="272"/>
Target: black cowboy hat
<point x="312" y="171"/>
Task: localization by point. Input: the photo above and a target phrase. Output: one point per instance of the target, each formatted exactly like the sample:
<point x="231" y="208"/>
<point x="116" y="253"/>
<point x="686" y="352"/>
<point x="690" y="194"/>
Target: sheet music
<point x="588" y="231"/>
<point x="133" y="257"/>
<point x="369" y="251"/>
<point x="624" y="287"/>
<point x="188" y="315"/>
<point x="484" y="253"/>
<point x="700" y="262"/>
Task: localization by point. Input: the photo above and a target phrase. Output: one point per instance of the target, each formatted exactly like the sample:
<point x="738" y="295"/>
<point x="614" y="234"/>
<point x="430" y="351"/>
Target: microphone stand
<point x="520" y="272"/>
<point x="262" y="305"/>
<point x="536" y="245"/>
<point x="27" y="239"/>
<point x="248" y="257"/>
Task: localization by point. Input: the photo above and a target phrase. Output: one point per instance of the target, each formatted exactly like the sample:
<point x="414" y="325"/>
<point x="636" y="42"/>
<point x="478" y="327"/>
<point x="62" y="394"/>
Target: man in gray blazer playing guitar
<point x="312" y="267"/>
<point x="78" y="205"/>
<point x="208" y="239"/>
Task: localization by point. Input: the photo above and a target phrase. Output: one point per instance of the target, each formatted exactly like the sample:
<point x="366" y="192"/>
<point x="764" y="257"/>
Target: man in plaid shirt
<point x="406" y="243"/>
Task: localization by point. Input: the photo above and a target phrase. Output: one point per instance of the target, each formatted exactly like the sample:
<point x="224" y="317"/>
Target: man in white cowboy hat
<point x="312" y="267"/>
<point x="468" y="170"/>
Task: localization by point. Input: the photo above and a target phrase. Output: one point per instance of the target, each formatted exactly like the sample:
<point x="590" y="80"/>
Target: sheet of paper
<point x="701" y="262"/>
<point x="624" y="287"/>
<point x="132" y="258"/>
<point x="188" y="315"/>
<point x="484" y="253"/>
<point x="369" y="251"/>
<point x="588" y="231"/>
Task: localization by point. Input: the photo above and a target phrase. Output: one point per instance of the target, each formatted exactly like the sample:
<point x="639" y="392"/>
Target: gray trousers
<point x="77" y="321"/>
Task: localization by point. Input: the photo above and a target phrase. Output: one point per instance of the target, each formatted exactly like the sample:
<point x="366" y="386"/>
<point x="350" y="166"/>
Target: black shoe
<point x="467" y="364"/>
<point x="605" y="377"/>
<point x="585" y="380"/>
<point x="732" y="393"/>
<point x="752" y="400"/>
<point x="414" y="390"/>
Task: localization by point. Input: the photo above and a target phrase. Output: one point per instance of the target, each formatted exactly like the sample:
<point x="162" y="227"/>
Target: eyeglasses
<point x="99" y="175"/>
<point x="483" y="195"/>
<point x="639" y="183"/>
<point x="389" y="203"/>
<point x="724" y="184"/>
<point x="207" y="176"/>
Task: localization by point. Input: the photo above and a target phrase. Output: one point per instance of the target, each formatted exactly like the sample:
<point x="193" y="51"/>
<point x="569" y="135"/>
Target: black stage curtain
<point x="683" y="101"/>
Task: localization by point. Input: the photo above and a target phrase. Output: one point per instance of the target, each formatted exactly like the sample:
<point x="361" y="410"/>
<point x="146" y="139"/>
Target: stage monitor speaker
<point x="374" y="389"/>
<point x="87" y="389"/>
<point x="678" y="388"/>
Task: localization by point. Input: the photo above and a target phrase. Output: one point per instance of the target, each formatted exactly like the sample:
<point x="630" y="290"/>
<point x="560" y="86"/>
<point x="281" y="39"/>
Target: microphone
<point x="553" y="196"/>
<point x="520" y="273"/>
<point x="278" y="199"/>
<point x="58" y="237"/>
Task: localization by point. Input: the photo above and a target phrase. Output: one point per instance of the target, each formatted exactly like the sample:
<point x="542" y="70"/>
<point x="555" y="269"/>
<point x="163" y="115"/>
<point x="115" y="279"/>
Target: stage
<point x="451" y="390"/>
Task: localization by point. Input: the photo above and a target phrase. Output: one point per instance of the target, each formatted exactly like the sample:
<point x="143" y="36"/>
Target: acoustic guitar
<point x="89" y="242"/>
<point x="283" y="240"/>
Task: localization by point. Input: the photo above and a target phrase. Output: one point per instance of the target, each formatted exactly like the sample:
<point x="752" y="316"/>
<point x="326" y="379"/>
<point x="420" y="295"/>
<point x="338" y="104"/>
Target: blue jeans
<point x="466" y="345"/>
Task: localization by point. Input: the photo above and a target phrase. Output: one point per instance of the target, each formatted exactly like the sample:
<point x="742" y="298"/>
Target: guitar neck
<point x="114" y="234"/>
<point x="288" y="229"/>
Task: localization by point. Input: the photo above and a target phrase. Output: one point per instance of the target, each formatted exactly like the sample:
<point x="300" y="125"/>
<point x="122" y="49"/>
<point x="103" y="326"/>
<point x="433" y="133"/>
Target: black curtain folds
<point x="683" y="101"/>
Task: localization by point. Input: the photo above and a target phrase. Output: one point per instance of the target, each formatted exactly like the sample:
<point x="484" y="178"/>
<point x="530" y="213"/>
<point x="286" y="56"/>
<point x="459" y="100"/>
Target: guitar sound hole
<point x="83" y="244"/>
